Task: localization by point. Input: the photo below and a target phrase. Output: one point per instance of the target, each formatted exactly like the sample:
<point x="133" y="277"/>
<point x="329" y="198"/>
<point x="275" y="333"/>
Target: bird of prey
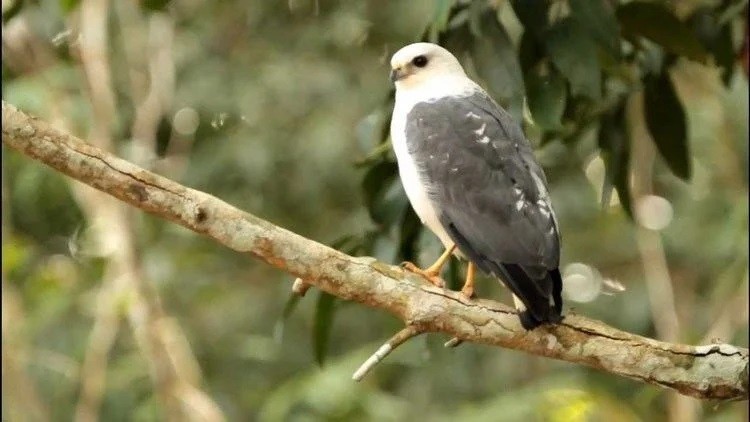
<point x="471" y="176"/>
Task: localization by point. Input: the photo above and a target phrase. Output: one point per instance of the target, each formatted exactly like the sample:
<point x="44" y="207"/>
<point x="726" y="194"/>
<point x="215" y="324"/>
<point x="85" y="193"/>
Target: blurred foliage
<point x="293" y="107"/>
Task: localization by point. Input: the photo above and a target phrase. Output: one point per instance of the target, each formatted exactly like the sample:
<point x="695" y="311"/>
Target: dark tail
<point x="535" y="294"/>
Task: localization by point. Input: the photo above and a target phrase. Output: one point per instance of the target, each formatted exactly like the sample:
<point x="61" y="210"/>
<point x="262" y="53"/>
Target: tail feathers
<point x="535" y="295"/>
<point x="556" y="291"/>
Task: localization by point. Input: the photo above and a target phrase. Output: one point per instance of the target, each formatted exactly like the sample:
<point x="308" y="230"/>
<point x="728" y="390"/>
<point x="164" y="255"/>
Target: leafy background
<point x="637" y="109"/>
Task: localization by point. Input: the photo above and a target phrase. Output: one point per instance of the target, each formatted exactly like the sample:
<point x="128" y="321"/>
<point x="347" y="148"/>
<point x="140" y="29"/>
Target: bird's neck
<point x="438" y="87"/>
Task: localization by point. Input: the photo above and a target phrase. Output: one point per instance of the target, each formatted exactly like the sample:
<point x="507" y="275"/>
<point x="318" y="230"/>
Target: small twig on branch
<point x="398" y="339"/>
<point x="300" y="287"/>
<point x="715" y="371"/>
<point x="454" y="342"/>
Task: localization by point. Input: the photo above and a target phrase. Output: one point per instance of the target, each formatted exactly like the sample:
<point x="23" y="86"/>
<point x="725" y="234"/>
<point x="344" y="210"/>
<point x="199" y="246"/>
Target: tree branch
<point x="401" y="337"/>
<point x="717" y="371"/>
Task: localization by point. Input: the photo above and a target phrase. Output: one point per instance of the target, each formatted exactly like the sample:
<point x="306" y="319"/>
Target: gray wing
<point x="489" y="191"/>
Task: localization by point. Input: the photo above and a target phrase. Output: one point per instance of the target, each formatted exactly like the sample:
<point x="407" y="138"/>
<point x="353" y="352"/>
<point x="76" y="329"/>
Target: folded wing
<point x="490" y="194"/>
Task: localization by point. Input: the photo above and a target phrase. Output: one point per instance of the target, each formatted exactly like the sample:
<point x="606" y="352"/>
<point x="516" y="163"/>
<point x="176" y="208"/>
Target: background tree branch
<point x="716" y="371"/>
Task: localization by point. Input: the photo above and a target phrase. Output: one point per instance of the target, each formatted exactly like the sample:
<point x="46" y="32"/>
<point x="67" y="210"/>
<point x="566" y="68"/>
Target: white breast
<point x="410" y="176"/>
<point x="413" y="185"/>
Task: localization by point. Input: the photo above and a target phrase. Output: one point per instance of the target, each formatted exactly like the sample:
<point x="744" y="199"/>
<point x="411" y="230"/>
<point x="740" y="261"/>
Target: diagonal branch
<point x="398" y="339"/>
<point x="717" y="371"/>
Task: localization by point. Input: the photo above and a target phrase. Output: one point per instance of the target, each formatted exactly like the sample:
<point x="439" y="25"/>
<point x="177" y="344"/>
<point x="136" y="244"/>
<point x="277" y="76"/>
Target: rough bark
<point x="715" y="371"/>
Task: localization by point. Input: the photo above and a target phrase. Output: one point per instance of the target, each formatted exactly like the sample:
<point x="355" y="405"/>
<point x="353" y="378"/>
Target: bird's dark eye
<point x="420" y="61"/>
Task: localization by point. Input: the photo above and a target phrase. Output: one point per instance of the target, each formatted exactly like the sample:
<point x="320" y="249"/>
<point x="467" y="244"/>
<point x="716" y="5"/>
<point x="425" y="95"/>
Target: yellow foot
<point x="429" y="275"/>
<point x="468" y="292"/>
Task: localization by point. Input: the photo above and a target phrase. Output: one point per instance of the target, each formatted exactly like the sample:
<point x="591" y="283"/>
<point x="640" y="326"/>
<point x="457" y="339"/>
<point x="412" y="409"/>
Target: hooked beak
<point x="396" y="74"/>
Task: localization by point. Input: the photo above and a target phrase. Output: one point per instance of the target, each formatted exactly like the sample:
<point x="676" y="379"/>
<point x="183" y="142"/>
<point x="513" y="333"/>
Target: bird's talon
<point x="468" y="293"/>
<point x="430" y="276"/>
<point x="408" y="266"/>
<point x="436" y="281"/>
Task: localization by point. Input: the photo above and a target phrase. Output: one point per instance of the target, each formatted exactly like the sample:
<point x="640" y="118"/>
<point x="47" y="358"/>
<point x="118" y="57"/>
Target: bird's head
<point x="416" y="63"/>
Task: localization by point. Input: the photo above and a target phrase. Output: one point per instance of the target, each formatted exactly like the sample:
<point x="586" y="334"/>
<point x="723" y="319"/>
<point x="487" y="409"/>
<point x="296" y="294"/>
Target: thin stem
<point x="389" y="346"/>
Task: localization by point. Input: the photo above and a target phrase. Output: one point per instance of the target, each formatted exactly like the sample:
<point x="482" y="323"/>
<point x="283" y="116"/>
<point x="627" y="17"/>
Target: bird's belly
<point x="416" y="192"/>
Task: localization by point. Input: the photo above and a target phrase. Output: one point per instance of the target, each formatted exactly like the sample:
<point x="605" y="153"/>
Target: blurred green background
<point x="638" y="111"/>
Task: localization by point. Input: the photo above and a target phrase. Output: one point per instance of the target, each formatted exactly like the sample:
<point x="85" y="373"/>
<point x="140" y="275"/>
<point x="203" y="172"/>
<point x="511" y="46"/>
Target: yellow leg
<point x="468" y="289"/>
<point x="440" y="263"/>
<point x="432" y="273"/>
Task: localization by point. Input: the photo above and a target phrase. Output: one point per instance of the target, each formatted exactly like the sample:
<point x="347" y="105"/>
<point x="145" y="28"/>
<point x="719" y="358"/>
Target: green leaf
<point x="717" y="39"/>
<point x="375" y="185"/>
<point x="533" y="15"/>
<point x="440" y="18"/>
<point x="730" y="9"/>
<point x="458" y="40"/>
<point x="13" y="10"/>
<point x="289" y="307"/>
<point x="575" y="55"/>
<point x="322" y="324"/>
<point x="615" y="151"/>
<point x="411" y="226"/>
<point x="724" y="53"/>
<point x="530" y="53"/>
<point x="380" y="151"/>
<point x="546" y="94"/>
<point x="345" y="243"/>
<point x="656" y="23"/>
<point x="598" y="19"/>
<point x="496" y="63"/>
<point x="666" y="121"/>
<point x="388" y="106"/>
<point x="446" y="16"/>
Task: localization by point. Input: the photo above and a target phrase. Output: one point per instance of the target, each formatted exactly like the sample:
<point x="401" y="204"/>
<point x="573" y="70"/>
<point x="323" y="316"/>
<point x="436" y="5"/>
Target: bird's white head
<point x="415" y="65"/>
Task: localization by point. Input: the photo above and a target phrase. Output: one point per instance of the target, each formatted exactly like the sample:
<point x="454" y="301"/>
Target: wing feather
<point x="490" y="193"/>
